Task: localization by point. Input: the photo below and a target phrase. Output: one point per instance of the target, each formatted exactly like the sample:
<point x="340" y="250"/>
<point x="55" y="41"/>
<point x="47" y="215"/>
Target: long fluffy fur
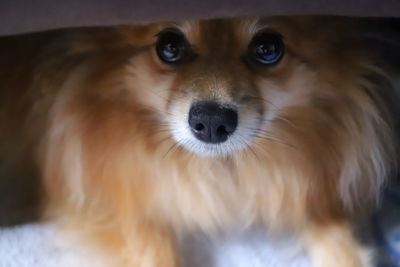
<point x="102" y="118"/>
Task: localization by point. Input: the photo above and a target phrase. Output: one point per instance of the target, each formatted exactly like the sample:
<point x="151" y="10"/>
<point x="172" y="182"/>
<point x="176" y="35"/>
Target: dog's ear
<point x="140" y="35"/>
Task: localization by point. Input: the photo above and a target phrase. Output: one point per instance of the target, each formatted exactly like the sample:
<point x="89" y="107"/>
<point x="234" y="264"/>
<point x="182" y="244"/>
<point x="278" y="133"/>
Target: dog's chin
<point x="234" y="144"/>
<point x="225" y="149"/>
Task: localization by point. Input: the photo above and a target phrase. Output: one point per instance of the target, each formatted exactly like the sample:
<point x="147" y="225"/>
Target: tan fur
<point x="95" y="108"/>
<point x="334" y="246"/>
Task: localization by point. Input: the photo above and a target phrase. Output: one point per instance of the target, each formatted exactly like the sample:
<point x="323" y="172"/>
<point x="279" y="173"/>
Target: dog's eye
<point x="266" y="48"/>
<point x="172" y="47"/>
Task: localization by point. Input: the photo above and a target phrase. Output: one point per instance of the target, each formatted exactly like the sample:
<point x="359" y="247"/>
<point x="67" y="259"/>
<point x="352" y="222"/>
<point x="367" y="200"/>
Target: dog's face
<point x="220" y="85"/>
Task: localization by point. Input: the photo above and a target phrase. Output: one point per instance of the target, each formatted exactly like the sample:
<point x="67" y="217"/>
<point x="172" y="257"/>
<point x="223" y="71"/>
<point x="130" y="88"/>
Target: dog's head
<point x="220" y="85"/>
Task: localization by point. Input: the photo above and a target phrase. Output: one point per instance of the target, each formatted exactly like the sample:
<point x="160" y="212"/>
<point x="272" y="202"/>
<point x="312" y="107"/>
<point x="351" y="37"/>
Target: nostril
<point x="211" y="122"/>
<point x="199" y="127"/>
<point x="221" y="131"/>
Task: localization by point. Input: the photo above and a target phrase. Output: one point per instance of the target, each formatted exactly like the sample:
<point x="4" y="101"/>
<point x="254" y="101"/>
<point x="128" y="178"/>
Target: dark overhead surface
<point x="18" y="16"/>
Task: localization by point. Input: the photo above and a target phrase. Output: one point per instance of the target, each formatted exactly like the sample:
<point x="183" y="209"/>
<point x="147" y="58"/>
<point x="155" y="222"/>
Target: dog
<point x="136" y="134"/>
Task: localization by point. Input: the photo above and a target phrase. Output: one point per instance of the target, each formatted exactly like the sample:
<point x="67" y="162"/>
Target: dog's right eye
<point x="266" y="48"/>
<point x="172" y="47"/>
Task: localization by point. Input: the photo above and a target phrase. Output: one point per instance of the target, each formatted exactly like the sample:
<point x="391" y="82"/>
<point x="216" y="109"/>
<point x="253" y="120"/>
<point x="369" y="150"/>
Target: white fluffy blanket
<point x="32" y="246"/>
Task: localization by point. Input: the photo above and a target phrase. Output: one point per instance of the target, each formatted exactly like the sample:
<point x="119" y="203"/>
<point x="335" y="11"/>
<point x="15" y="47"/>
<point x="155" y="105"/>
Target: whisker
<point x="273" y="139"/>
<point x="161" y="130"/>
<point x="158" y="110"/>
<point x="265" y="100"/>
<point x="261" y="131"/>
<point x="279" y="119"/>
<point x="163" y="140"/>
<point x="174" y="145"/>
<point x="248" y="146"/>
<point x="179" y="148"/>
<point x="156" y="93"/>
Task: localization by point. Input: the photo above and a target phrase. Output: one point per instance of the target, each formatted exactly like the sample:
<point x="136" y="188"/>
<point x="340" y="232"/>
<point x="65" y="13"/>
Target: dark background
<point x="17" y="16"/>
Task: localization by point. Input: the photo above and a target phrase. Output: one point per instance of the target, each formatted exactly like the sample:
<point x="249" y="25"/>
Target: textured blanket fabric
<point x="36" y="246"/>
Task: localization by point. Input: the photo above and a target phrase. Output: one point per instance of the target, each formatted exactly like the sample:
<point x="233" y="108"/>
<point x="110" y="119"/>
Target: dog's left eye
<point x="266" y="48"/>
<point x="172" y="47"/>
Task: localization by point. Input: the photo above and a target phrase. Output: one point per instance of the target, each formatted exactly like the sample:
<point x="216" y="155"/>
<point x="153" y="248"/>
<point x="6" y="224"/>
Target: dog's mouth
<point x="210" y="128"/>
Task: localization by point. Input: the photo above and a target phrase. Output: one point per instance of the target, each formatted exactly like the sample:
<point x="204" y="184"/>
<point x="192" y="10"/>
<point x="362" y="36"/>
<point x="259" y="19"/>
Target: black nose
<point x="211" y="122"/>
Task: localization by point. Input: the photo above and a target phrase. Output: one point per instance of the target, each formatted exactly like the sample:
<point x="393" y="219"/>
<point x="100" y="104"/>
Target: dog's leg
<point x="145" y="245"/>
<point x="151" y="246"/>
<point x="333" y="245"/>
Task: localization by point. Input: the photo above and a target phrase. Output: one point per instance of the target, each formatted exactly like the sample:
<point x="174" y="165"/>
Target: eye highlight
<point x="172" y="47"/>
<point x="266" y="48"/>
